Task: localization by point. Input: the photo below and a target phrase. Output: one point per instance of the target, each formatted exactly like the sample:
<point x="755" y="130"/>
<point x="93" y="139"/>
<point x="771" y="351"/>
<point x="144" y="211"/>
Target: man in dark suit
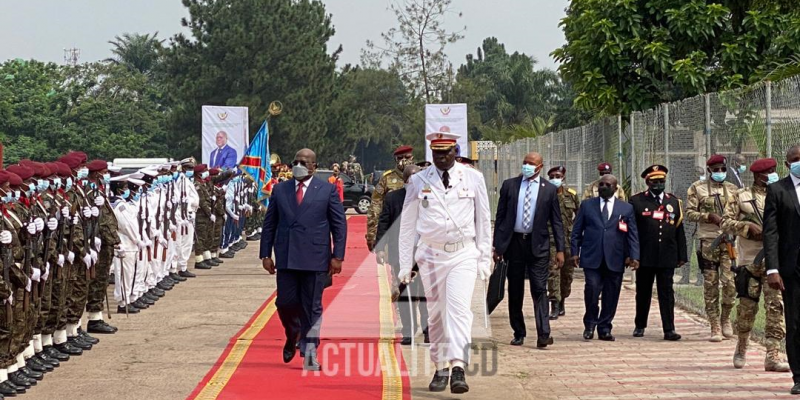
<point x="528" y="204"/>
<point x="604" y="241"/>
<point x="223" y="156"/>
<point x="659" y="220"/>
<point x="782" y="249"/>
<point x="388" y="236"/>
<point x="303" y="215"/>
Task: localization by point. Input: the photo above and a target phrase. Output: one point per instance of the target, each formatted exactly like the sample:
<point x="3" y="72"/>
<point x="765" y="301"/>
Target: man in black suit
<point x="388" y="236"/>
<point x="782" y="249"/>
<point x="662" y="246"/>
<point x="527" y="205"/>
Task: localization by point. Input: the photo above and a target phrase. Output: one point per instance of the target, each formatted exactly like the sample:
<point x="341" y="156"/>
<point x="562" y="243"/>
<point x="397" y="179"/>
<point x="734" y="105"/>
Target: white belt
<point x="449" y="247"/>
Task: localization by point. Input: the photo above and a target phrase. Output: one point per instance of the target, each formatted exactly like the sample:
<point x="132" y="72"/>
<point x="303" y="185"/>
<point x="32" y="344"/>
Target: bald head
<point x="533" y="158"/>
<point x="607" y="186"/>
<point x="793" y="154"/>
<point x="308" y="159"/>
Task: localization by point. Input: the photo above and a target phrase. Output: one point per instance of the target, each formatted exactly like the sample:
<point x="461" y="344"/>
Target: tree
<point x="627" y="55"/>
<point x="415" y="48"/>
<point x="137" y="52"/>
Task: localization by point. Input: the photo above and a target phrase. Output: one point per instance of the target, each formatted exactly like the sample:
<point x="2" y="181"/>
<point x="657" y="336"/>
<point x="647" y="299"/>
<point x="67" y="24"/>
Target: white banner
<point x="226" y="133"/>
<point x="447" y="118"/>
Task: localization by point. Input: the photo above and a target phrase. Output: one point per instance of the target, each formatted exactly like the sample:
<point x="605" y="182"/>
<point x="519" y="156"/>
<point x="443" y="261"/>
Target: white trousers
<point x="449" y="279"/>
<point x="142" y="277"/>
<point x="185" y="248"/>
<point x="125" y="277"/>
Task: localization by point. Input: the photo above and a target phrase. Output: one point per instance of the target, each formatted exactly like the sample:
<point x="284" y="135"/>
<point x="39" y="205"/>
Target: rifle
<point x="8" y="261"/>
<point x="173" y="212"/>
<point x="48" y="237"/>
<point x="184" y="206"/>
<point x="729" y="239"/>
<point x="26" y="264"/>
<point x="60" y="243"/>
<point x="761" y="254"/>
<point x="158" y="222"/>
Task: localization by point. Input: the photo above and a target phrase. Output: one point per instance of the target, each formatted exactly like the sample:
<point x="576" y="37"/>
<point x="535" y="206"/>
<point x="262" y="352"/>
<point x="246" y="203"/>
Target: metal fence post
<point x="633" y="153"/>
<point x="619" y="144"/>
<point x="769" y="119"/>
<point x="582" y="157"/>
<point x="707" y="132"/>
<point x="666" y="136"/>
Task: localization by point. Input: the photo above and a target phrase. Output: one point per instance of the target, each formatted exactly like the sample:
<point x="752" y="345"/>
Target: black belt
<point x="523" y="236"/>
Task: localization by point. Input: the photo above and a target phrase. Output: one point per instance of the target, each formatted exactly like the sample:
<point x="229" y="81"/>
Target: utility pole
<point x="71" y="56"/>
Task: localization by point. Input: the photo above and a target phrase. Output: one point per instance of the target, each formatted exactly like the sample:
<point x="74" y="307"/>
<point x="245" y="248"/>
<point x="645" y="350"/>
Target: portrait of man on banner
<point x="223" y="156"/>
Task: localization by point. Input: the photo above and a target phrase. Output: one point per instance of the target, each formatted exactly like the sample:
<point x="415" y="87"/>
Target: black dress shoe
<point x="405" y="341"/>
<point x="31" y="373"/>
<point x="55" y="354"/>
<point x="638" y="332"/>
<point x="517" y="341"/>
<point x="187" y="274"/>
<point x="151" y="296"/>
<point x="149" y="300"/>
<point x="163" y="286"/>
<point x="212" y="263"/>
<point x="228" y="254"/>
<point x="562" y="311"/>
<point x="34" y="364"/>
<point x="177" y="278"/>
<point x="131" y="309"/>
<point x="427" y="338"/>
<point x="169" y="281"/>
<point x="46" y="359"/>
<point x="289" y="350"/>
<point x="542" y="343"/>
<point x="588" y="334"/>
<point x="254" y="237"/>
<point x="157" y="292"/>
<point x="100" y="327"/>
<point x="608" y="337"/>
<point x="68" y="349"/>
<point x="218" y="260"/>
<point x="241" y="244"/>
<point x="458" y="381"/>
<point x="140" y="304"/>
<point x="86" y="337"/>
<point x="553" y="310"/>
<point x="111" y="278"/>
<point x="672" y="336"/>
<point x="22" y="383"/>
<point x="202" y="265"/>
<point x="77" y="342"/>
<point x="795" y="388"/>
<point x="310" y="363"/>
<point x="439" y="381"/>
<point x="8" y="389"/>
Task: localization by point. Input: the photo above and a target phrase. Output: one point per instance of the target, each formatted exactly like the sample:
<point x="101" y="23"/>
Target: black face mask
<point x="657" y="188"/>
<point x="605" y="192"/>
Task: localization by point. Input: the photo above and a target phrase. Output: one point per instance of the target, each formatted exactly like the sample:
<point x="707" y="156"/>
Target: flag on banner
<point x="255" y="162"/>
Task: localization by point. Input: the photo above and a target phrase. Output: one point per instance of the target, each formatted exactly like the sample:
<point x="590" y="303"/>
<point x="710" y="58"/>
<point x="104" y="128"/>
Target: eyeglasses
<point x="719" y="169"/>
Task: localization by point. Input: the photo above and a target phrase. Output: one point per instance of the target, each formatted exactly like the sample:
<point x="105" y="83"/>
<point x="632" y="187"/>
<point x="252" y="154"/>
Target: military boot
<point x="716" y="332"/>
<point x="773" y="361"/>
<point x="725" y="319"/>
<point x="553" y="310"/>
<point x="740" y="355"/>
<point x="562" y="311"/>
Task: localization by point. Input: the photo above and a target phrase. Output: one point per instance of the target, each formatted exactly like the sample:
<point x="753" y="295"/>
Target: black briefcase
<point x="497" y="286"/>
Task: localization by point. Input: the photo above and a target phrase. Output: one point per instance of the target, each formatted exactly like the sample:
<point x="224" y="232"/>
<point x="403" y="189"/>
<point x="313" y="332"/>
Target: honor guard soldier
<point x="559" y="282"/>
<point x="662" y="248"/>
<point x="706" y="202"/>
<point x="743" y="217"/>
<point x="591" y="191"/>
<point x="391" y="180"/>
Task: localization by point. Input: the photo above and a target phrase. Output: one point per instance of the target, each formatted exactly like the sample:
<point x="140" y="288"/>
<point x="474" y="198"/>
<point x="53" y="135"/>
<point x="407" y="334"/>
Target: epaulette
<point x="668" y="195"/>
<point x="572" y="191"/>
<point x="387" y="172"/>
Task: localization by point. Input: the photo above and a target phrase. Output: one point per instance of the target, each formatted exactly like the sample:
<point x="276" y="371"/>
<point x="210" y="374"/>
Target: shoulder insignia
<point x="386" y="173"/>
<point x="571" y="191"/>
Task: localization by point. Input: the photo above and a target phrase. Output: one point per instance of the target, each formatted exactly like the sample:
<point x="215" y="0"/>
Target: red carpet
<point x="357" y="364"/>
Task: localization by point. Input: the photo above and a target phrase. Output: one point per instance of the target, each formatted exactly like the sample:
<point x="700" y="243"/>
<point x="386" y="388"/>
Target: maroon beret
<point x="603" y="167"/>
<point x="403" y="150"/>
<point x="214" y="171"/>
<point x="63" y="169"/>
<point x="4" y="175"/>
<point x="81" y="156"/>
<point x="97" y="165"/>
<point x="71" y="161"/>
<point x="763" y="165"/>
<point x="14" y="179"/>
<point x="200" y="168"/>
<point x="559" y="168"/>
<point x="23" y="172"/>
<point x="52" y="167"/>
<point x="717" y="159"/>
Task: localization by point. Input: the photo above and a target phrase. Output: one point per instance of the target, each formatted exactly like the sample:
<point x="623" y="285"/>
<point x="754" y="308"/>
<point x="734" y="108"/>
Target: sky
<point x="42" y="29"/>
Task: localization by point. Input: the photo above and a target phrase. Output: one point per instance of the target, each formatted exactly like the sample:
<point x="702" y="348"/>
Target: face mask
<point x="605" y="192"/>
<point x="742" y="169"/>
<point x="174" y="175"/>
<point x="204" y="175"/>
<point x="300" y="172"/>
<point x="69" y="183"/>
<point x="529" y="170"/>
<point x="8" y="198"/>
<point x="557" y="182"/>
<point x="189" y="174"/>
<point x="657" y="188"/>
<point x="31" y="189"/>
<point x="126" y="194"/>
<point x="795" y="168"/>
<point x="106" y="178"/>
<point x="136" y="196"/>
<point x="702" y="178"/>
<point x="719" y="176"/>
<point x="57" y="183"/>
<point x="83" y="173"/>
<point x="772" y="178"/>
<point x="17" y="195"/>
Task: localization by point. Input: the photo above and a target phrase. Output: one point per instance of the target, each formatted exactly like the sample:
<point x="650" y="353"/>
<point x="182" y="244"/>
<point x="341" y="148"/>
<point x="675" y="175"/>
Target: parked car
<point x="356" y="195"/>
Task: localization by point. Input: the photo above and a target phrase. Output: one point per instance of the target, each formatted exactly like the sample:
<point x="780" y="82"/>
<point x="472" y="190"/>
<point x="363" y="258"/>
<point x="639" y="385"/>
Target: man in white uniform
<point x="447" y="209"/>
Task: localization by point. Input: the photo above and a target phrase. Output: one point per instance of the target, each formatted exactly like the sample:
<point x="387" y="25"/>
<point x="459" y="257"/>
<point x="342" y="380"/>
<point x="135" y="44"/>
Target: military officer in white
<point x="447" y="210"/>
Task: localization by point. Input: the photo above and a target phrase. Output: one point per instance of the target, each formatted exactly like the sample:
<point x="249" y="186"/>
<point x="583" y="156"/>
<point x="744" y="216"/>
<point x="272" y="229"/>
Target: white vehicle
<point x="130" y="165"/>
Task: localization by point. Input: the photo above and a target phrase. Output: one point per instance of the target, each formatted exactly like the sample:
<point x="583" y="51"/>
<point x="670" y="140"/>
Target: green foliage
<point x="137" y="52"/>
<point x="627" y="55"/>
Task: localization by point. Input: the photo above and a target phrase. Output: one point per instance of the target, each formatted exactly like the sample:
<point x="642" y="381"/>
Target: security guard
<point x="391" y="180"/>
<point x="714" y="261"/>
<point x="559" y="282"/>
<point x="662" y="243"/>
<point x="743" y="218"/>
<point x="603" y="168"/>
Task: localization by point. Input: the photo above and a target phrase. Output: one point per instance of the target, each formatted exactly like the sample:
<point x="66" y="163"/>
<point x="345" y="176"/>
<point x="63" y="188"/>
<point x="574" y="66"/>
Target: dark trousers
<point x="791" y="309"/>
<point x="520" y="259"/>
<point x="299" y="303"/>
<point x="417" y="310"/>
<point x="607" y="282"/>
<point x="666" y="296"/>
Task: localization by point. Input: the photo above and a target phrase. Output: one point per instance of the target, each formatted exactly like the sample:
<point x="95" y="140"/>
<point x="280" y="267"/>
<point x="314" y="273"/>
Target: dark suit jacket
<point x="596" y="240"/>
<point x="389" y="224"/>
<point x="782" y="228"/>
<point x="662" y="243"/>
<point x="225" y="158"/>
<point x="301" y="235"/>
<point x="547" y="212"/>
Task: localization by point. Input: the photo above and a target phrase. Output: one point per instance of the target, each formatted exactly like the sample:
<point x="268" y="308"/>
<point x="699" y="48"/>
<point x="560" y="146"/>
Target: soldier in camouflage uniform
<point x="204" y="220"/>
<point x="391" y="180"/>
<point x="743" y="218"/>
<point x="603" y="168"/>
<point x="559" y="282"/>
<point x="218" y="203"/>
<point x="715" y="262"/>
<point x="355" y="170"/>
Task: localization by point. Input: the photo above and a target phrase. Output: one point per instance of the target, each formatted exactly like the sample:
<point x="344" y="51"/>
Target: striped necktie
<point x="527" y="213"/>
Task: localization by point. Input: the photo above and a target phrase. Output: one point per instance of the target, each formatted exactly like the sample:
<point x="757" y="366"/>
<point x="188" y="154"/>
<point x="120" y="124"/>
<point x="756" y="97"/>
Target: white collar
<point x="306" y="183"/>
<point x="795" y="180"/>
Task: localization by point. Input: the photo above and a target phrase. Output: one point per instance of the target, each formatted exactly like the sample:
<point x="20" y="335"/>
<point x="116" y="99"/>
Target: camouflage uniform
<point x="45" y="305"/>
<point x="109" y="239"/>
<point x="78" y="292"/>
<point x="591" y="191"/>
<point x="559" y="282"/>
<point x="15" y="281"/>
<point x="714" y="262"/>
<point x="391" y="180"/>
<point x="57" y="279"/>
<point x="750" y="281"/>
<point x="203" y="226"/>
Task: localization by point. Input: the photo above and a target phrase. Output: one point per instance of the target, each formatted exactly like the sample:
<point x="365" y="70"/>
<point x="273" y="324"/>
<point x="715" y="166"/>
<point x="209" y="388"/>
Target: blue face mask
<point x="68" y="184"/>
<point x="126" y="194"/>
<point x="795" y="168"/>
<point x="174" y="175"/>
<point x="719" y="176"/>
<point x="106" y="178"/>
<point x="772" y="178"/>
<point x="189" y="174"/>
<point x="8" y="198"/>
<point x="31" y="189"/>
<point x="204" y="175"/>
<point x="528" y="170"/>
<point x="557" y="182"/>
<point x="17" y="195"/>
<point x="57" y="183"/>
<point x="136" y="196"/>
<point x="83" y="173"/>
<point x="742" y="169"/>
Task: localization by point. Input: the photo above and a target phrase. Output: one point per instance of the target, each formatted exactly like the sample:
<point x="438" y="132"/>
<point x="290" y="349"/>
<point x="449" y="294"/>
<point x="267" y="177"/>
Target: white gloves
<point x="173" y="227"/>
<point x="97" y="243"/>
<point x="148" y="243"/>
<point x="174" y="200"/>
<point x="169" y="205"/>
<point x="98" y="201"/>
<point x="71" y="257"/>
<point x="28" y="285"/>
<point x="65" y="211"/>
<point x="185" y="200"/>
<point x="39" y="224"/>
<point x="46" y="272"/>
<point x="141" y="245"/>
<point x="119" y="253"/>
<point x="404" y="275"/>
<point x="213" y="218"/>
<point x="163" y="242"/>
<point x="36" y="276"/>
<point x="157" y="233"/>
<point x="94" y="256"/>
<point x="235" y="217"/>
<point x="32" y="228"/>
<point x="52" y="224"/>
<point x="10" y="299"/>
<point x="5" y="237"/>
<point x="484" y="271"/>
<point x="60" y="261"/>
<point x="87" y="259"/>
<point x="214" y="198"/>
<point x="95" y="212"/>
<point x="87" y="212"/>
<point x="75" y="220"/>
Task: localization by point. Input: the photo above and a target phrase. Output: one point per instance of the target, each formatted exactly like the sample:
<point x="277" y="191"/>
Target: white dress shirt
<point x="796" y="183"/>
<point x="610" y="206"/>
<point x="305" y="185"/>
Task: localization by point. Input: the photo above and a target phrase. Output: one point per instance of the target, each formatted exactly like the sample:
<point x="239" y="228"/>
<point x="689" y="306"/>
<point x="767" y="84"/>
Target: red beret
<point x="717" y="159"/>
<point x="63" y="169"/>
<point x="214" y="171"/>
<point x="37" y="168"/>
<point x="4" y="175"/>
<point x="403" y="150"/>
<point x="81" y="156"/>
<point x="23" y="172"/>
<point x="52" y="167"/>
<point x="14" y="179"/>
<point x="71" y="161"/>
<point x="97" y="165"/>
<point x="200" y="168"/>
<point x="603" y="167"/>
<point x="559" y="168"/>
<point x="763" y="165"/>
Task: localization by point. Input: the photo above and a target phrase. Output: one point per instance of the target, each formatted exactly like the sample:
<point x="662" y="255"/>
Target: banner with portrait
<point x="447" y="118"/>
<point x="226" y="134"/>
